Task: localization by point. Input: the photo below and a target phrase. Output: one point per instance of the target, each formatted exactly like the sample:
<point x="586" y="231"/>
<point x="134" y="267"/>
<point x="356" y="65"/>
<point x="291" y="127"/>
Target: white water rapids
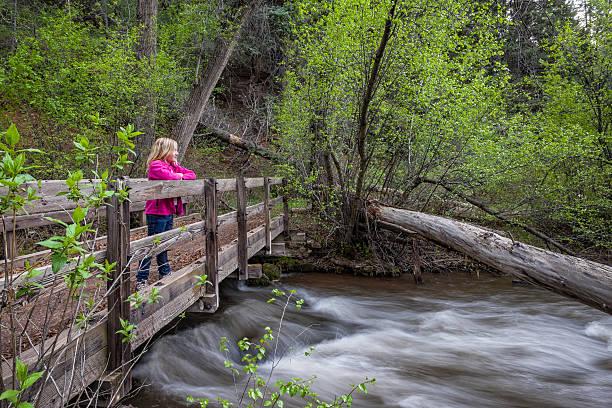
<point x="456" y="341"/>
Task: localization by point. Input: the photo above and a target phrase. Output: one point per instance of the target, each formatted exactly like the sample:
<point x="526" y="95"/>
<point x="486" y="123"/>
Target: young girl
<point x="160" y="213"/>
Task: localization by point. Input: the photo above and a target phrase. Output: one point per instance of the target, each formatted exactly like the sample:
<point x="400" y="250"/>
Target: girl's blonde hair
<point x="161" y="149"/>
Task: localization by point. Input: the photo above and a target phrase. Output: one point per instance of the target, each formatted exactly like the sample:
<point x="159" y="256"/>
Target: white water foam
<point x="601" y="330"/>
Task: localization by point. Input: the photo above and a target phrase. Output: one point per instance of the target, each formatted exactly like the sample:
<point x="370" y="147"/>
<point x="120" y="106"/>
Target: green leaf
<point x="58" y="260"/>
<point x="32" y="378"/>
<point x="22" y="371"/>
<point x="34" y="273"/>
<point x="25" y="405"/>
<point x="10" y="395"/>
<point x="79" y="214"/>
<point x="56" y="221"/>
<point x="11" y="136"/>
<point x="51" y="243"/>
<point x="71" y="230"/>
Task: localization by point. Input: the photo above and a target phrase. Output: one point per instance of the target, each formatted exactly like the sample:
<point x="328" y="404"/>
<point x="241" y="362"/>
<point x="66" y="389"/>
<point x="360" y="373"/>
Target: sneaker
<point x="140" y="285"/>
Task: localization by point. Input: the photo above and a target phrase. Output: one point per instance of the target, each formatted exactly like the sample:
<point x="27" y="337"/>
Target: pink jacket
<point x="162" y="170"/>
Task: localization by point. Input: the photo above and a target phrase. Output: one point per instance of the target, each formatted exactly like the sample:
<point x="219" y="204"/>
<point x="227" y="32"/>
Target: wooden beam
<point x="225" y="185"/>
<point x="10" y="246"/>
<point x="241" y="217"/>
<point x="140" y="190"/>
<point x="48" y="277"/>
<point x="39" y="220"/>
<point x="275" y="201"/>
<point x="278" y="248"/>
<point x="158" y="189"/>
<point x="254" y="182"/>
<point x="255" y="271"/>
<point x="275" y="180"/>
<point x="267" y="214"/>
<point x="211" y="244"/>
<point x="147" y="246"/>
<point x="285" y="209"/>
<point x="118" y="248"/>
<point x="256" y="242"/>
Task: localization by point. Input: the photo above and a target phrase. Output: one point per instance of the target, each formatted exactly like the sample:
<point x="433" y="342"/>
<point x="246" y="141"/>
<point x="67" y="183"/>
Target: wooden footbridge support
<point x="98" y="357"/>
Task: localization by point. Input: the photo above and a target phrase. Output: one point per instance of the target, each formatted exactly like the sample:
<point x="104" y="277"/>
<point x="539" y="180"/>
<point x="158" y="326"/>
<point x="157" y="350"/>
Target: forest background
<point x="446" y="106"/>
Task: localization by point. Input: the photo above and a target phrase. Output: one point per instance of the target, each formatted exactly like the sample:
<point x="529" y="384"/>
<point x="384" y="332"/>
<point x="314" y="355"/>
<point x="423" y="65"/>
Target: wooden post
<point x="118" y="248"/>
<point x="285" y="210"/>
<point x="241" y="204"/>
<point x="212" y="245"/>
<point x="267" y="215"/>
<point x="416" y="262"/>
<point x="11" y="244"/>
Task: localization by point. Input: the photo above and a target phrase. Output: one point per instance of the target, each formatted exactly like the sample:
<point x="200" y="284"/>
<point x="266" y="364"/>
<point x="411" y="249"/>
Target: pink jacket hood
<point x="162" y="170"/>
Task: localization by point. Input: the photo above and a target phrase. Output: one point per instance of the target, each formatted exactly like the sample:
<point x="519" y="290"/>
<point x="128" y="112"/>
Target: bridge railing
<point x="117" y="354"/>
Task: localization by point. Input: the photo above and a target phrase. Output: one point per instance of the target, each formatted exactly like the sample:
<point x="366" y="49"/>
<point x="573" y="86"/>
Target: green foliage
<point x="14" y="173"/>
<point x="550" y="161"/>
<point x="72" y="249"/>
<point x="26" y="381"/>
<point x="202" y="281"/>
<point x="127" y="331"/>
<point x="439" y="87"/>
<point x="538" y="149"/>
<point x="68" y="70"/>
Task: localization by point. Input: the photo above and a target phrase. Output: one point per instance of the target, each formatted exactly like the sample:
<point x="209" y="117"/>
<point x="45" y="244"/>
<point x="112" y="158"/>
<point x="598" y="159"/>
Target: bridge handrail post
<point x="211" y="237"/>
<point x="267" y="217"/>
<point x="285" y="209"/>
<point x="118" y="285"/>
<point x="241" y="217"/>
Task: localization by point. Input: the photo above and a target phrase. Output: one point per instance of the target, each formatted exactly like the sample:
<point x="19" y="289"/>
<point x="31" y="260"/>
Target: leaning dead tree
<point x="200" y="94"/>
<point x="586" y="281"/>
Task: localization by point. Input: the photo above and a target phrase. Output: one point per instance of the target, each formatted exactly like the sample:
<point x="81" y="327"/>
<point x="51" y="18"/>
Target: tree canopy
<point x="507" y="102"/>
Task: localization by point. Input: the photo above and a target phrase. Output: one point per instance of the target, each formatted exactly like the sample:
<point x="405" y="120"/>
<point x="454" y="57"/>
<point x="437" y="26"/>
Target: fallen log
<point x="243" y="144"/>
<point x="586" y="281"/>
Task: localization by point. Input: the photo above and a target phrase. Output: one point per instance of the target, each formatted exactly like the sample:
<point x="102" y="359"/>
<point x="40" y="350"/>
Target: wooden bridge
<point x="77" y="361"/>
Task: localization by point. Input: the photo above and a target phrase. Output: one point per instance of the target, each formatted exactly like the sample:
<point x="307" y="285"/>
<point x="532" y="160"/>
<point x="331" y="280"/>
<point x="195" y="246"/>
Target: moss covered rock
<point x="271" y="271"/>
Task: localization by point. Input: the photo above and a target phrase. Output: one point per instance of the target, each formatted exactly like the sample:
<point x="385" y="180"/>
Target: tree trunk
<point x="147" y="51"/>
<point x="14" y="24"/>
<point x="586" y="281"/>
<point x="363" y="124"/>
<point x="198" y="98"/>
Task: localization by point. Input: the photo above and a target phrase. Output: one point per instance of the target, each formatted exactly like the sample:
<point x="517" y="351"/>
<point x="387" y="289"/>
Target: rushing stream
<point x="456" y="341"/>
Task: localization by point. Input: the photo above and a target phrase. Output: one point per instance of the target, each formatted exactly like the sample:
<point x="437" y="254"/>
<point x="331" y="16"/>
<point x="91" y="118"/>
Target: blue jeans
<point x="156" y="224"/>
